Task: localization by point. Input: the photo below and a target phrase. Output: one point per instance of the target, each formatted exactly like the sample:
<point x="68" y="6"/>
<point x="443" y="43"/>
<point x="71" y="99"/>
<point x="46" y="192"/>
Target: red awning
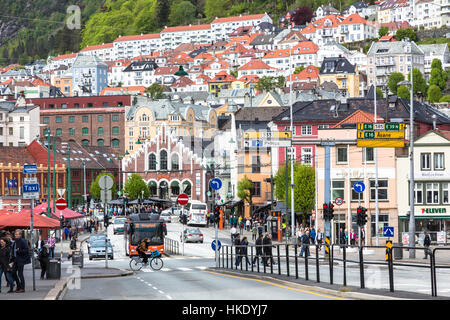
<point x="67" y="213"/>
<point x="22" y="220"/>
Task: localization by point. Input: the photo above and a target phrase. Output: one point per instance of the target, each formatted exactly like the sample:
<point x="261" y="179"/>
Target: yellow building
<point x="147" y="118"/>
<point x="340" y="71"/>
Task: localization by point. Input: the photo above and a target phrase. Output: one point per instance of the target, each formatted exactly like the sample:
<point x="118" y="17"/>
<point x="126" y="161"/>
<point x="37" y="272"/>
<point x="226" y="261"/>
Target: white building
<point x="435" y="51"/>
<point x="332" y="50"/>
<point x="355" y="28"/>
<point x="127" y="47"/>
<point x="358" y="58"/>
<point x="139" y="73"/>
<point x="104" y="52"/>
<point x="431" y="13"/>
<point x="64" y="59"/>
<point x="222" y="27"/>
<point x="172" y="37"/>
<point x="258" y="68"/>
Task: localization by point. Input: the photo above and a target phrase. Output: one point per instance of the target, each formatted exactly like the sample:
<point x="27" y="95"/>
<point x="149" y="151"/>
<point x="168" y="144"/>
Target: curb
<point x="114" y="275"/>
<point x="348" y="295"/>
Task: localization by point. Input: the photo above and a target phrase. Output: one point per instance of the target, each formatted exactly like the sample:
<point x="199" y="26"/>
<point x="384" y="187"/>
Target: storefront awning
<point x="424" y="217"/>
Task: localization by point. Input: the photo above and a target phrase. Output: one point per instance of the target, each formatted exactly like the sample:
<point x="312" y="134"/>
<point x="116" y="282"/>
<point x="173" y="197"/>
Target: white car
<point x="119" y="225"/>
<point x="166" y="216"/>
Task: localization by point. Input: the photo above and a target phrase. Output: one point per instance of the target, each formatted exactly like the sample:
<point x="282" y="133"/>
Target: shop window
<point x="383" y="221"/>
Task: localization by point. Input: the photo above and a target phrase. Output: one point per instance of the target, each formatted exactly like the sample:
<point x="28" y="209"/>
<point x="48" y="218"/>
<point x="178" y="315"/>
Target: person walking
<point x="44" y="260"/>
<point x="267" y="244"/>
<point x="305" y="238"/>
<point x="363" y="237"/>
<point x="51" y="245"/>
<point x="352" y="238"/>
<point x="312" y="236"/>
<point x="5" y="265"/>
<point x="426" y="244"/>
<point x="243" y="251"/>
<point x="319" y="238"/>
<point x="341" y="236"/>
<point x="39" y="244"/>
<point x="248" y="224"/>
<point x="73" y="247"/>
<point x="21" y="256"/>
<point x="254" y="232"/>
<point x="237" y="244"/>
<point x="259" y="250"/>
<point x="233" y="232"/>
<point x="260" y="229"/>
<point x="241" y="227"/>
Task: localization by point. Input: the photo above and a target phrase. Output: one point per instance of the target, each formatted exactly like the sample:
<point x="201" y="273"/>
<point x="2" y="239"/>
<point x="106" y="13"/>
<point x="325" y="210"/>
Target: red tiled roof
<point x="249" y="78"/>
<point x="65" y="56"/>
<point x="138" y="37"/>
<point x="305" y="47"/>
<point x="187" y="28"/>
<point x="39" y="82"/>
<point x="395" y="25"/>
<point x="182" y="82"/>
<point x="358" y="116"/>
<point x="277" y="54"/>
<point x="310" y="28"/>
<point x="310" y="72"/>
<point x="386" y="38"/>
<point x="97" y="47"/>
<point x="354" y="19"/>
<point x="166" y="70"/>
<point x="125" y="90"/>
<point x="255" y="65"/>
<point x="333" y="18"/>
<point x="239" y="18"/>
<point x="228" y="78"/>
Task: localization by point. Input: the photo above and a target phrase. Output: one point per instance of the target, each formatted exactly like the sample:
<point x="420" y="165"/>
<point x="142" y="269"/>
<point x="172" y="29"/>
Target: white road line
<point x="201" y="268"/>
<point x="169" y="297"/>
<point x="185" y="269"/>
<point x="166" y="269"/>
<point x="146" y="270"/>
<point x="160" y="291"/>
<point x="155" y="288"/>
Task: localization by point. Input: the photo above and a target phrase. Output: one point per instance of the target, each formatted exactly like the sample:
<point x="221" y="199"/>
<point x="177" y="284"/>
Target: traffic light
<point x="106" y="220"/>
<point x="361" y="216"/>
<point x="183" y="218"/>
<point x="217" y="214"/>
<point x="325" y="211"/>
<point x="330" y="211"/>
<point x="61" y="223"/>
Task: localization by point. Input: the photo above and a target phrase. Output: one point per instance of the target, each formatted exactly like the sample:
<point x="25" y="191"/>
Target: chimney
<point x="434" y="121"/>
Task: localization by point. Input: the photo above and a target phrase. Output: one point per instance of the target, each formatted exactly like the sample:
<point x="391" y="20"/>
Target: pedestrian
<point x="5" y="264"/>
<point x="243" y="251"/>
<point x="300" y="234"/>
<point x="44" y="260"/>
<point x="319" y="238"/>
<point x="73" y="247"/>
<point x="248" y="224"/>
<point x="241" y="227"/>
<point x="259" y="250"/>
<point x="254" y="232"/>
<point x="341" y="236"/>
<point x="260" y="229"/>
<point x="233" y="232"/>
<point x="39" y="244"/>
<point x="237" y="244"/>
<point x="66" y="233"/>
<point x="51" y="243"/>
<point x="313" y="236"/>
<point x="305" y="244"/>
<point x="426" y="244"/>
<point x="21" y="256"/>
<point x="352" y="238"/>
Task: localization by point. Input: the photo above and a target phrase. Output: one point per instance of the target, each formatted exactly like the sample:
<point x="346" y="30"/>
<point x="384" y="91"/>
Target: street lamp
<point x="69" y="185"/>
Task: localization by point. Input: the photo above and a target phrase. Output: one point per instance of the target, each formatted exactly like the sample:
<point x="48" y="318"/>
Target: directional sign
<point x="388" y="232"/>
<point x="213" y="245"/>
<point x="268" y="135"/>
<point x="381" y="143"/>
<point x="381" y="134"/>
<point x="29" y="168"/>
<point x="30" y="188"/>
<point x="389" y="126"/>
<point x="339" y="201"/>
<point x="215" y="184"/>
<point x="183" y="199"/>
<point x="30" y="180"/>
<point x="277" y="143"/>
<point x="257" y="143"/>
<point x="61" y="204"/>
<point x="359" y="187"/>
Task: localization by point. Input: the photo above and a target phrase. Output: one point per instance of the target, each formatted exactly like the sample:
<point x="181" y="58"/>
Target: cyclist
<point x="142" y="250"/>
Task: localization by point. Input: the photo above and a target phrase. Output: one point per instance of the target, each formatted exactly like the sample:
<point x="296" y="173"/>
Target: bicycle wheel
<point x="136" y="264"/>
<point x="156" y="263"/>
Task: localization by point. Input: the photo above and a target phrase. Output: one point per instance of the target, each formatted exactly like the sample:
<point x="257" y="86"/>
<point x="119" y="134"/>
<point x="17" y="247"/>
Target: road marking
<point x="278" y="285"/>
<point x="146" y="270"/>
<point x="202" y="268"/>
<point x="184" y="269"/>
<point x="155" y="288"/>
<point x="169" y="297"/>
<point x="166" y="269"/>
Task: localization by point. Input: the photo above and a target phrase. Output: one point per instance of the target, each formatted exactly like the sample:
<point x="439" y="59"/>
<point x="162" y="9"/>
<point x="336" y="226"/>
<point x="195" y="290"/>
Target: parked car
<point x="119" y="224"/>
<point x="97" y="250"/>
<point x="166" y="216"/>
<point x="192" y="235"/>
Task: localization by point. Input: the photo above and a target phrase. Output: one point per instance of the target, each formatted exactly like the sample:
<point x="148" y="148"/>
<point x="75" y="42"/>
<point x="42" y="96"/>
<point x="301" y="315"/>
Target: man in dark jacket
<point x="341" y="237"/>
<point x="237" y="244"/>
<point x="305" y="238"/>
<point x="44" y="260"/>
<point x="21" y="256"/>
<point x="259" y="249"/>
<point x="426" y="244"/>
<point x="267" y="243"/>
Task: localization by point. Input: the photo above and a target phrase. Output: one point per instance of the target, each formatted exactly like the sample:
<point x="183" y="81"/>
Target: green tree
<point x="182" y="13"/>
<point x="95" y="187"/>
<point x="383" y="31"/>
<point x="134" y="187"/>
<point x="394" y="79"/>
<point x="245" y="187"/>
<point x="265" y="84"/>
<point x="214" y="8"/>
<point x="162" y="12"/>
<point x="379" y="93"/>
<point x="405" y="33"/>
<point x="403" y="92"/>
<point x="434" y="93"/>
<point x="419" y="83"/>
<point x="298" y="69"/>
<point x="280" y="82"/>
<point x="445" y="99"/>
<point x="234" y="73"/>
<point x="438" y="76"/>
<point x="156" y="91"/>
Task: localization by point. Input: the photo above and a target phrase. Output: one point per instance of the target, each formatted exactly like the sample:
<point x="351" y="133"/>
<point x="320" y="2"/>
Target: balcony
<point x="385" y="64"/>
<point x="344" y="31"/>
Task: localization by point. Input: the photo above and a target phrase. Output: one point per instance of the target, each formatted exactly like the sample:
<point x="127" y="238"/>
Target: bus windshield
<point x="153" y="231"/>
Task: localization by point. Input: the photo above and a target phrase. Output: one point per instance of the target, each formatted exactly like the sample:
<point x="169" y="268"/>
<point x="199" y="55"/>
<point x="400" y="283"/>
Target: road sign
<point x="268" y="135"/>
<point x="389" y="126"/>
<point x="29" y="168"/>
<point x="61" y="204"/>
<point x="105" y="182"/>
<point x="359" y="187"/>
<point x="257" y="143"/>
<point x="388" y="232"/>
<point x="30" y="188"/>
<point x="215" y="184"/>
<point x="339" y="201"/>
<point x="61" y="192"/>
<point x="183" y="199"/>
<point x="381" y="143"/>
<point x="381" y="134"/>
<point x="213" y="245"/>
<point x="105" y="195"/>
<point x="30" y="180"/>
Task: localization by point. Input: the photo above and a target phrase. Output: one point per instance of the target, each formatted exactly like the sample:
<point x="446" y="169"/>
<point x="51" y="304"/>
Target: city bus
<point x="140" y="226"/>
<point x="198" y="213"/>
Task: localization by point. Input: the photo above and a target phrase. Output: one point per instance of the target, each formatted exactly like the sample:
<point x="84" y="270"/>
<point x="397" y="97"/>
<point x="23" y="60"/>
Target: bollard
<point x="227" y="257"/>
<point x="251" y="256"/>
<point x="317" y="264"/>
<point x="232" y="258"/>
<point x="296" y="261"/>
<point x="330" y="261"/>
<point x="287" y="260"/>
<point x="391" y="271"/>
<point x="344" y="257"/>
<point x="278" y="259"/>
<point x="361" y="268"/>
<point x="306" y="262"/>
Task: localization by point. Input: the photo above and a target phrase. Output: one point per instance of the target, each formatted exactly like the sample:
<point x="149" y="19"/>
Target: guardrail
<point x="171" y="246"/>
<point x="233" y="257"/>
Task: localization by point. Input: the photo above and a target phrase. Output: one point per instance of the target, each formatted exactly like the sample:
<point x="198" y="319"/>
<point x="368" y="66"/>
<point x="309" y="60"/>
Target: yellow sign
<point x="327" y="244"/>
<point x="268" y="135"/>
<point x="381" y="143"/>
<point x="388" y="246"/>
<point x="389" y="135"/>
<point x="389" y="126"/>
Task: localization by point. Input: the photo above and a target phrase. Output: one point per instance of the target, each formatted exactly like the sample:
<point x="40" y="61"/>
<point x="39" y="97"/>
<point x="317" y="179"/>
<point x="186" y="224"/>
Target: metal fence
<point x="171" y="246"/>
<point x="285" y="260"/>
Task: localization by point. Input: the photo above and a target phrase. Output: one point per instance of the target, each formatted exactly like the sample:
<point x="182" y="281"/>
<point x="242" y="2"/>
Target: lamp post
<point x="412" y="223"/>
<point x="69" y="185"/>
<point x="84" y="186"/>
<point x="48" y="173"/>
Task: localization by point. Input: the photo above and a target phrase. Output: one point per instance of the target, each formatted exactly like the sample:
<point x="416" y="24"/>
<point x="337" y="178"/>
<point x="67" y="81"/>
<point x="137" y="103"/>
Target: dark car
<point x="97" y="250"/>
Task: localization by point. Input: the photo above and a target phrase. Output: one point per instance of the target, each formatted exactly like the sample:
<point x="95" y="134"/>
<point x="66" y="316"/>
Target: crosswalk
<point x="196" y="268"/>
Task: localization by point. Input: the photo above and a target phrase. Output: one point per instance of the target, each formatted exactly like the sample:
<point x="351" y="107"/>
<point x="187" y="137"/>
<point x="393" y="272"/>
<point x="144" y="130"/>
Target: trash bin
<point x="54" y="269"/>
<point x="398" y="252"/>
<point x="77" y="258"/>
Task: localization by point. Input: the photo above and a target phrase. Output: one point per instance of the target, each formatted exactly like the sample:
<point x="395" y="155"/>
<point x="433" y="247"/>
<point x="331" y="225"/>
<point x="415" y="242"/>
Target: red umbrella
<point x="22" y="220"/>
<point x="67" y="213"/>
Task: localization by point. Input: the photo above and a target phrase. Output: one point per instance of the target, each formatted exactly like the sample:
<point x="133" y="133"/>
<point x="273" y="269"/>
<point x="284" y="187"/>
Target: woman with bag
<point x="6" y="265"/>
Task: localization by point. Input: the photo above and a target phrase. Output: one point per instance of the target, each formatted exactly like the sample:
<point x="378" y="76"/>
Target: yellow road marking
<point x="277" y="285"/>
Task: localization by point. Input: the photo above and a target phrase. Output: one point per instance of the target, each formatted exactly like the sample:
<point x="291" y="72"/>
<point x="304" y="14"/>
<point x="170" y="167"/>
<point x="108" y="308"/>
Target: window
<point x="59" y="132"/>
<point x="46" y="120"/>
<point x="85" y="142"/>
<point x="445" y="191"/>
<point x="115" y="117"/>
<point x="58" y="119"/>
<point x="22" y="119"/>
<point x="425" y="161"/>
<point x="438" y="161"/>
<point x="356" y="195"/>
<point x="382" y="190"/>
<point x="130" y="132"/>
<point x="163" y="160"/>
<point x="22" y="132"/>
<point x="115" y="130"/>
<point x="289" y="129"/>
<point x="256" y="190"/>
<point x="85" y="119"/>
<point x="11" y="131"/>
<point x="71" y="119"/>
<point x="100" y="131"/>
<point x="131" y="145"/>
<point x="418" y="193"/>
<point x="90" y="105"/>
<point x="72" y="132"/>
<point x="383" y="221"/>
<point x="432" y="193"/>
<point x="115" y="143"/>
<point x="100" y="118"/>
<point x="307" y="156"/>
<point x="46" y="132"/>
<point x="341" y="154"/>
<point x="306" y="130"/>
<point x="368" y="154"/>
<point x="337" y="189"/>
<point x="152" y="162"/>
<point x="174" y="162"/>
<point x="85" y="131"/>
<point x="256" y="164"/>
<point x="100" y="142"/>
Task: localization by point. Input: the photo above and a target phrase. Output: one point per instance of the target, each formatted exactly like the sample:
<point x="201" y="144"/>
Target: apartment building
<point x="19" y="125"/>
<point x="89" y="76"/>
<point x="127" y="47"/>
<point x="104" y="52"/>
<point x="172" y="37"/>
<point x="221" y="28"/>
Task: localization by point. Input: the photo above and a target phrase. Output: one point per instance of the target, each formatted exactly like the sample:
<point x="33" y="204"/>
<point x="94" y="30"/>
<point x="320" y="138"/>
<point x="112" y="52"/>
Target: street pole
<point x="54" y="176"/>
<point x="84" y="186"/>
<point x="217" y="243"/>
<point x="292" y="147"/>
<point x="48" y="174"/>
<point x="287" y="182"/>
<point x="32" y="243"/>
<point x="104" y="189"/>
<point x="376" y="169"/>
<point x="69" y="187"/>
<point x="182" y="234"/>
<point x="412" y="224"/>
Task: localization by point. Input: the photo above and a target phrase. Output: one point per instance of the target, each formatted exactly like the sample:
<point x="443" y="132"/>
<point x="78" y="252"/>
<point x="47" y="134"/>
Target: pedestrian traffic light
<point x="330" y="211"/>
<point x="106" y="220"/>
<point x="216" y="214"/>
<point x="183" y="218"/>
<point x="361" y="216"/>
<point x="325" y="211"/>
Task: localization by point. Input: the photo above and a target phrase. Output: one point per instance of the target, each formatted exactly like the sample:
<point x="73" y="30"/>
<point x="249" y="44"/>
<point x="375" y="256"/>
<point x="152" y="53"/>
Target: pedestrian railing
<point x="171" y="246"/>
<point x="330" y="261"/>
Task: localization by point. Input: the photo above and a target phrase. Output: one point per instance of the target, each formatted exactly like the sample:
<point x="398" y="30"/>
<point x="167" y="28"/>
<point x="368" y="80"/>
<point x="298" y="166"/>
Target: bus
<point x="198" y="212"/>
<point x="140" y="226"/>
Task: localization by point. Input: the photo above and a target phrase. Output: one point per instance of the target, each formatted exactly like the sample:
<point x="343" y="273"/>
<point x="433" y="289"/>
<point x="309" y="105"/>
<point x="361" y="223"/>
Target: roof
<point x="141" y="66"/>
<point x="395" y="25"/>
<point x="138" y="37"/>
<point x="166" y="70"/>
<point x="187" y="28"/>
<point x="434" y="49"/>
<point x="83" y="61"/>
<point x="98" y="47"/>
<point x="305" y="47"/>
<point x="357" y="117"/>
<point x="310" y="72"/>
<point x="239" y="18"/>
<point x="336" y="65"/>
<point x="354" y="19"/>
<point x="65" y="56"/>
<point x="123" y="90"/>
<point x="391" y="4"/>
<point x="250" y="117"/>
<point x="396" y="47"/>
<point x="182" y="82"/>
<point x="15" y="155"/>
<point x="263" y="39"/>
<point x="255" y="65"/>
<point x="277" y="54"/>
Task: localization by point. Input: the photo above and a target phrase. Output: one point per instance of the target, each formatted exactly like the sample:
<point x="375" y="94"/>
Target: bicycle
<point x="155" y="262"/>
